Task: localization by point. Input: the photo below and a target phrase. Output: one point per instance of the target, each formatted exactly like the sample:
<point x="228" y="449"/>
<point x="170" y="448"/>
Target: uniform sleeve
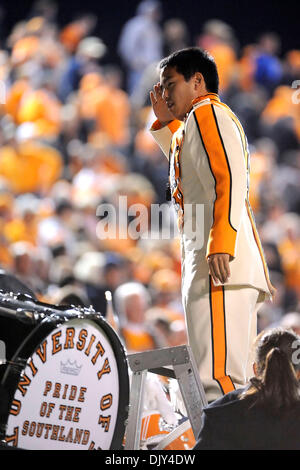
<point x="224" y="151"/>
<point x="163" y="135"/>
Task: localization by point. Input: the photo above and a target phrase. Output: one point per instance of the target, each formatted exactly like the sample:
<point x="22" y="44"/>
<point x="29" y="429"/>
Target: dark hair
<point x="276" y="387"/>
<point x="191" y="60"/>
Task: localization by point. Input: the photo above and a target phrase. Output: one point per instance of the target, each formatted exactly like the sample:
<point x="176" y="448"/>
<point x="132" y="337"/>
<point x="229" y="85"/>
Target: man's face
<point x="177" y="92"/>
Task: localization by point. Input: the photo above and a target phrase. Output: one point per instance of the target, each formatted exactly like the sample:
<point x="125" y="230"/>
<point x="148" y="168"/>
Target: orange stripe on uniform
<point x="173" y="125"/>
<point x="216" y="101"/>
<point x="240" y="128"/>
<point x="222" y="236"/>
<point x="218" y="331"/>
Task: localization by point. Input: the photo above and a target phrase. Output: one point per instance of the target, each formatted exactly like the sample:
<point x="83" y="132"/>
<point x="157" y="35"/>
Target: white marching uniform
<point x="209" y="171"/>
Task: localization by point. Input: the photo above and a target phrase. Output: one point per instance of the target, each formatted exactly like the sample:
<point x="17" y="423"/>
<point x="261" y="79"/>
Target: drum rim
<point x="123" y="367"/>
<point x="40" y="331"/>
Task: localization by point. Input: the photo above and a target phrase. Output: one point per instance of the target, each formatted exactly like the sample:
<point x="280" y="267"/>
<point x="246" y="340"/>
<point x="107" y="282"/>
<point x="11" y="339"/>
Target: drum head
<point x="73" y="393"/>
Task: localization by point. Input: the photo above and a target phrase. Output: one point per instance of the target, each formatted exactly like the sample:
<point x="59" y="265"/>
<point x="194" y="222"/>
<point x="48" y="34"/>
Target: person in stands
<point x="265" y="415"/>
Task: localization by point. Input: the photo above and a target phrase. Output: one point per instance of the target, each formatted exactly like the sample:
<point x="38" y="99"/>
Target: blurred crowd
<point x="73" y="138"/>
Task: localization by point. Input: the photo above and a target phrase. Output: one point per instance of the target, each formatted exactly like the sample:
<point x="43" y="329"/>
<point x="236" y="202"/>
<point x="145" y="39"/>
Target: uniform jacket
<point x="209" y="169"/>
<point x="232" y="424"/>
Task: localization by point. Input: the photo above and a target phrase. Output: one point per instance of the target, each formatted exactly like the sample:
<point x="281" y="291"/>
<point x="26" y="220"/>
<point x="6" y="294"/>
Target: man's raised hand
<point x="159" y="105"/>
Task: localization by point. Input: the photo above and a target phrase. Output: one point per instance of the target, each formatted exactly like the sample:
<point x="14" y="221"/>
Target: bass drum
<point x="73" y="389"/>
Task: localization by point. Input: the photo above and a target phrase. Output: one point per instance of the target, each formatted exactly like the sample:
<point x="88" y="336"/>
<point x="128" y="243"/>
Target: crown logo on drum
<point x="70" y="368"/>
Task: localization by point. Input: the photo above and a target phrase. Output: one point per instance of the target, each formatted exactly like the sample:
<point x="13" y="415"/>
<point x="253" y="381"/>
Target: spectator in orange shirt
<point x="132" y="300"/>
<point x="14" y="97"/>
<point x="113" y="110"/>
<point x="41" y="107"/>
<point x="23" y="226"/>
<point x="74" y="32"/>
<point x="28" y="165"/>
<point x="218" y="39"/>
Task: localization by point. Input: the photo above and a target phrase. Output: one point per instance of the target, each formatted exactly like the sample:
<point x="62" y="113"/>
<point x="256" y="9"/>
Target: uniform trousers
<point x="222" y="326"/>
